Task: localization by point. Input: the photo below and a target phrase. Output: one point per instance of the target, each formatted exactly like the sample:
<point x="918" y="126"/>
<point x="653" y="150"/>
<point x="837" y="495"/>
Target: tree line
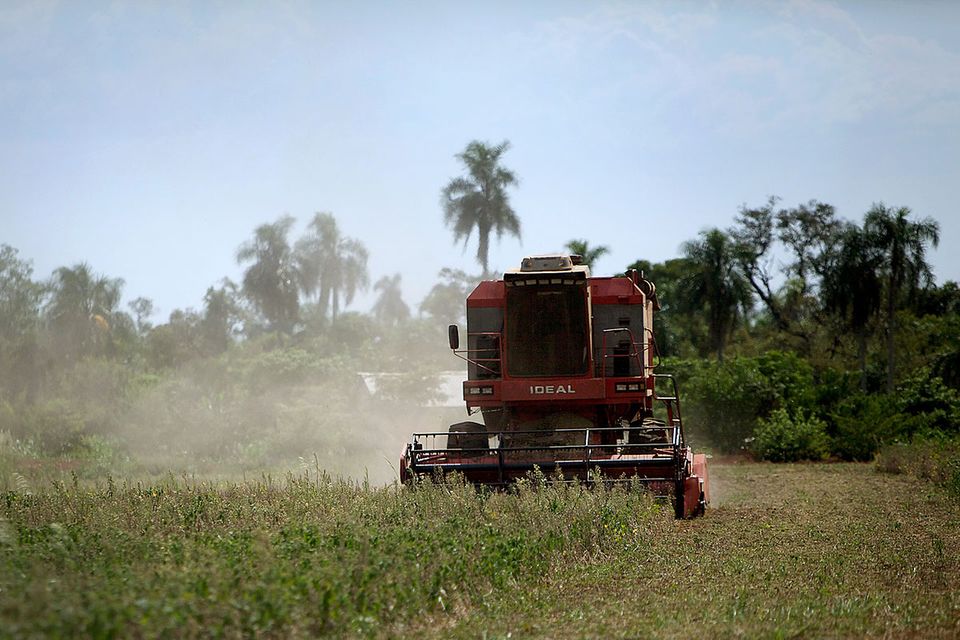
<point x="853" y="306"/>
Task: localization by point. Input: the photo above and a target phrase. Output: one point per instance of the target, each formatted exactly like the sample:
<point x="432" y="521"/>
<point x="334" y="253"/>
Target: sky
<point x="151" y="138"/>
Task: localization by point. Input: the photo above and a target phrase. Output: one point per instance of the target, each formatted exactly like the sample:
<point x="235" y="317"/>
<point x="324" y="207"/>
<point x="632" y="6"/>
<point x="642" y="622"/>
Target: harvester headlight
<point x="476" y="391"/>
<point x="633" y="387"/>
<point x="621" y="387"/>
<point x="626" y="387"/>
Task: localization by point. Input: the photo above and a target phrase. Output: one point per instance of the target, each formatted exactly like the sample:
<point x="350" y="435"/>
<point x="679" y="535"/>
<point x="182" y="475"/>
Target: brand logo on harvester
<point x="542" y="389"/>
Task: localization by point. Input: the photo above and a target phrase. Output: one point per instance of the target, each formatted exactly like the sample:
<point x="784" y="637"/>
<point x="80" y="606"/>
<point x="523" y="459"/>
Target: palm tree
<point x="330" y="265"/>
<point x="851" y="287"/>
<point x="221" y="313"/>
<point x="479" y="199"/>
<point x="589" y="254"/>
<point x="716" y="286"/>
<point x="81" y="308"/>
<point x="390" y="307"/>
<point x="902" y="244"/>
<point x="270" y="282"/>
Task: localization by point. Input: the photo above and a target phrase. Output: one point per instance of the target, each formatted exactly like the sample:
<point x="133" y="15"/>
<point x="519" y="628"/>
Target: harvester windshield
<point x="546" y="330"/>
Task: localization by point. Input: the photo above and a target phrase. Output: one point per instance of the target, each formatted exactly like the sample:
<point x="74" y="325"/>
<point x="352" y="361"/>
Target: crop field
<point x="789" y="551"/>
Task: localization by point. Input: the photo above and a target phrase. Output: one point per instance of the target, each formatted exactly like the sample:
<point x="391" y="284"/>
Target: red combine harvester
<point x="561" y="367"/>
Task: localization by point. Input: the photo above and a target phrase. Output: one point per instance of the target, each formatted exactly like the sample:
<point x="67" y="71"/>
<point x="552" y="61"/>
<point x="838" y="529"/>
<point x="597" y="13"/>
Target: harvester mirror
<point x="453" y="333"/>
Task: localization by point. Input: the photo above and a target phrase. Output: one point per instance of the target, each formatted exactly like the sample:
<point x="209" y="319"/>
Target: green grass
<point x="789" y="551"/>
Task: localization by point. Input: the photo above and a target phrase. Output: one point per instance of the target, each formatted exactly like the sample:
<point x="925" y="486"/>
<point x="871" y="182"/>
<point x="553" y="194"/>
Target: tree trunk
<point x="862" y="356"/>
<point x="324" y="300"/>
<point x="891" y="330"/>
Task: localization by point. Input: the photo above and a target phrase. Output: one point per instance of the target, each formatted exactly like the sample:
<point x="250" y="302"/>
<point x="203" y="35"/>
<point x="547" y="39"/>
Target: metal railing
<point x="516" y="452"/>
<point x="492" y="365"/>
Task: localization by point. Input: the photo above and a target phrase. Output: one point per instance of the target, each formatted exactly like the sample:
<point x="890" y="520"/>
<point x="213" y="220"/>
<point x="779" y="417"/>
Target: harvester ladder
<point x="672" y="404"/>
<point x="636" y="350"/>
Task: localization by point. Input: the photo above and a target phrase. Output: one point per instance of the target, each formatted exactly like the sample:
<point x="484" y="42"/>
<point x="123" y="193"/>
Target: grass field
<point x="789" y="551"/>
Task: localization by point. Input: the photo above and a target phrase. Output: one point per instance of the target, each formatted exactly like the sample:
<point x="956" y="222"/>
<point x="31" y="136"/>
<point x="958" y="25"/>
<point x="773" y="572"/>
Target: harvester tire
<point x="468" y="435"/>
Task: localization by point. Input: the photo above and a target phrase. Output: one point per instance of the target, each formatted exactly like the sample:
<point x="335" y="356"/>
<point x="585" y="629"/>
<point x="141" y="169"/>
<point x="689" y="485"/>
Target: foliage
<point x="589" y="254"/>
<point x="722" y="401"/>
<point x="677" y="333"/>
<point x="447" y="299"/>
<point x="330" y="265"/>
<point x="782" y="438"/>
<point x="270" y="282"/>
<point x="715" y="286"/>
<point x="902" y="245"/>
<point x="262" y="375"/>
<point x="936" y="459"/>
<point x="929" y="405"/>
<point x="806" y="232"/>
<point x="862" y="424"/>
<point x="390" y="309"/>
<point x="82" y="311"/>
<point x="851" y="288"/>
<point x="309" y="556"/>
<point x="479" y="199"/>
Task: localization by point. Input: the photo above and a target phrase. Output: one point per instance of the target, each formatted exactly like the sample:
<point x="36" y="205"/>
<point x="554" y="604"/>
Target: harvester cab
<point x="560" y="366"/>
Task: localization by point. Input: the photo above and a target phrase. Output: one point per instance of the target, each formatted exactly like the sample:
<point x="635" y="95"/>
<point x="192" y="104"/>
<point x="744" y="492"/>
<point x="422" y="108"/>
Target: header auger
<point x="561" y="367"/>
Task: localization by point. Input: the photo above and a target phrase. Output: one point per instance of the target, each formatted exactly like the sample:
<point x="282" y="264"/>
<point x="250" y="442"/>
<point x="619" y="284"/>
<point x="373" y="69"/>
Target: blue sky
<point x="150" y="138"/>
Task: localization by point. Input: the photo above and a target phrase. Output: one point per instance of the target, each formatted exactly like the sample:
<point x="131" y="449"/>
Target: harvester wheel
<point x="468" y="435"/>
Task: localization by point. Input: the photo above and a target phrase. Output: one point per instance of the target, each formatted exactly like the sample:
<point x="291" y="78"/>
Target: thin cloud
<point x="804" y="63"/>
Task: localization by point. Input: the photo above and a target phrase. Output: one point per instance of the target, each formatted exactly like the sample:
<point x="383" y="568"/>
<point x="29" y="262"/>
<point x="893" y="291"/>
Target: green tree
<point x="20" y="296"/>
<point x="447" y="299"/>
<point x="271" y="280"/>
<point x="390" y="309"/>
<point x="716" y="286"/>
<point x="806" y="232"/>
<point x="479" y="199"/>
<point x="851" y="288"/>
<point x="222" y="312"/>
<point x="81" y="310"/>
<point x="677" y="328"/>
<point x="142" y="308"/>
<point x="902" y="243"/>
<point x="20" y="300"/>
<point x="330" y="265"/>
<point x="589" y="254"/>
<point x="175" y="342"/>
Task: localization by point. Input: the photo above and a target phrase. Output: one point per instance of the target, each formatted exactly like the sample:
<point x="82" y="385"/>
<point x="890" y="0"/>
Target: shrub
<point x="934" y="406"/>
<point x="936" y="459"/>
<point x="862" y="424"/>
<point x="723" y="401"/>
<point x="781" y="438"/>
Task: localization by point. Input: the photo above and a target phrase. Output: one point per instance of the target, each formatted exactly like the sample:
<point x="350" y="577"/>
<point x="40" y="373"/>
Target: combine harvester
<point x="561" y="366"/>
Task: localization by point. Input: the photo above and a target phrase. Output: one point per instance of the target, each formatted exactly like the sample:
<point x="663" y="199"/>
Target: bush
<point x="52" y="428"/>
<point x="935" y="459"/>
<point x="723" y="401"/>
<point x="932" y="405"/>
<point x="862" y="424"/>
<point x="781" y="438"/>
